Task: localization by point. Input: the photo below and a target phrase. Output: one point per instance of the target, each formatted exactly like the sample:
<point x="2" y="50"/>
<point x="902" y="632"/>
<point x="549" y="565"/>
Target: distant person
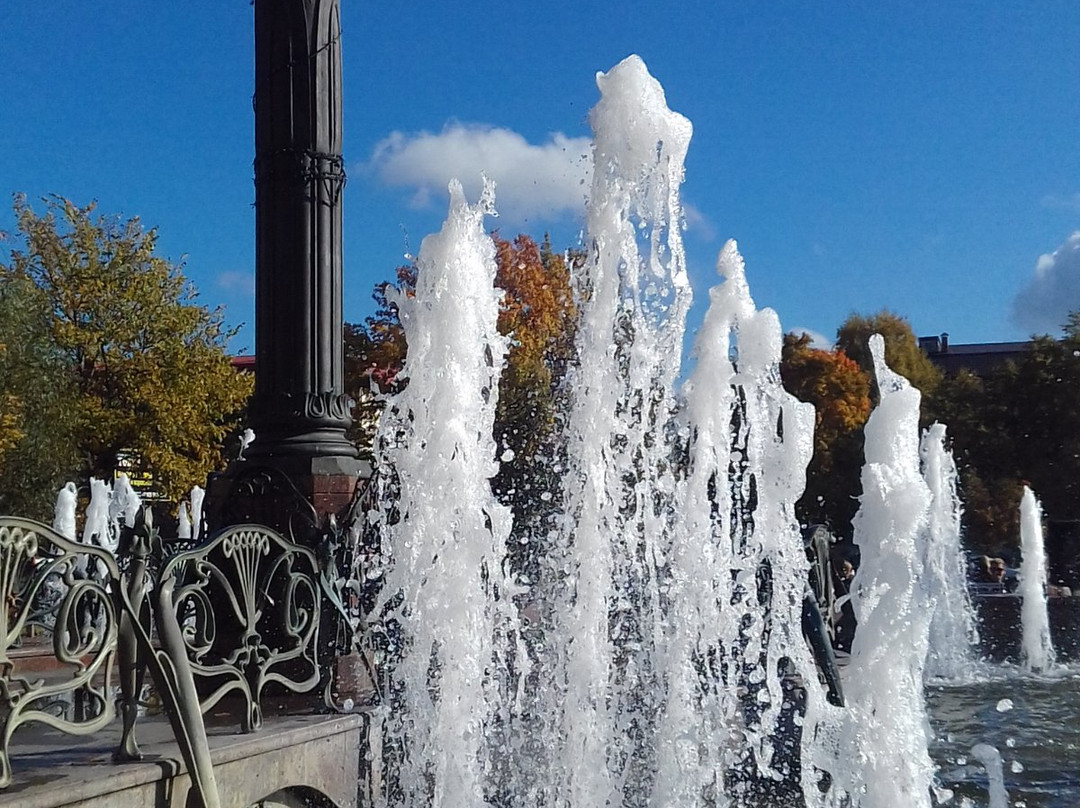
<point x="843" y="617"/>
<point x="996" y="571"/>
<point x="846" y="574"/>
<point x="992" y="576"/>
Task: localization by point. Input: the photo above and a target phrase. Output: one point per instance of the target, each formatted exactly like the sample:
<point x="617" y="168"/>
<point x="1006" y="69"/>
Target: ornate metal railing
<point x="245" y="607"/>
<point x="60" y="589"/>
<point x="224" y="622"/>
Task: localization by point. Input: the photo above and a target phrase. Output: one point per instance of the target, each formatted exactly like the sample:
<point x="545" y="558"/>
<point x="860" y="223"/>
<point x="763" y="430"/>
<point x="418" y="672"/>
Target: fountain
<point x="659" y="659"/>
<point x="885" y="727"/>
<point x="662" y="666"/>
<point x="953" y="631"/>
<point x="672" y="655"/>
<point x="451" y="598"/>
<point x="1038" y="649"/>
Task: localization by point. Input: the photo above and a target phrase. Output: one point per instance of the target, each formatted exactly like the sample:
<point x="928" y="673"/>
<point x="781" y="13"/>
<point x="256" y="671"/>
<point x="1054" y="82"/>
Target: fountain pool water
<point x="1030" y="720"/>
<point x="667" y="667"/>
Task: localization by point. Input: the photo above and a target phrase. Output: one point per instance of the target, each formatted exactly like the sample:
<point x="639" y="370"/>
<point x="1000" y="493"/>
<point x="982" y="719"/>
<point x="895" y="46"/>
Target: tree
<point x="540" y="315"/>
<point x="1018" y="424"/>
<point x="902" y="352"/>
<point x="10" y="416"/>
<point x="141" y="367"/>
<point x="34" y="393"/>
<point x="840" y="392"/>
<point x="374" y="355"/>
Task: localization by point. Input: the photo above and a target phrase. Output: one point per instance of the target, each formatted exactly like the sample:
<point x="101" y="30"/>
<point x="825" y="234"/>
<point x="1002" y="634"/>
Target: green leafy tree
<point x="1017" y="425"/>
<point x="140" y="367"/>
<point x="10" y="417"/>
<point x="902" y="352"/>
<point x="35" y="393"/>
<point x="1035" y="401"/>
<point x="981" y="444"/>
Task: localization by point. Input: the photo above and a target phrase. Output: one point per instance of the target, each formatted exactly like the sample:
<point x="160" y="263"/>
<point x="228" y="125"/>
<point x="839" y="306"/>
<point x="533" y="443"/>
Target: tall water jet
<point x="634" y="294"/>
<point x="883" y="748"/>
<point x="197" y="497"/>
<point x="64" y="512"/>
<point x="773" y="445"/>
<point x="953" y="630"/>
<point x="737" y="569"/>
<point x="449" y="599"/>
<point x="99" y="527"/>
<point x="696" y="727"/>
<point x="124" y="505"/>
<point x="1038" y="650"/>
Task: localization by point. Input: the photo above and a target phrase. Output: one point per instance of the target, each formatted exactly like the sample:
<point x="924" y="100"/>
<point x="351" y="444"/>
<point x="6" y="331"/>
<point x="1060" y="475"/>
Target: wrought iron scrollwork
<point x="245" y="608"/>
<point x="239" y="614"/>
<point x="61" y="589"/>
<point x="262" y="495"/>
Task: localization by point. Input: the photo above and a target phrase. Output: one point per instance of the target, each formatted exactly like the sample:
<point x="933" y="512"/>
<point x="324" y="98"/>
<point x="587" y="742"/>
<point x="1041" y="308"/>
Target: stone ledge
<point x="319" y="752"/>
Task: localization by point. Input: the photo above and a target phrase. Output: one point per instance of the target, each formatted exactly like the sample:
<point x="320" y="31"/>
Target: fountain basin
<point x="1000" y="639"/>
<point x="1031" y="720"/>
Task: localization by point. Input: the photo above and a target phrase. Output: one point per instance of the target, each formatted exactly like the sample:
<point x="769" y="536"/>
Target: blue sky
<point x="917" y="156"/>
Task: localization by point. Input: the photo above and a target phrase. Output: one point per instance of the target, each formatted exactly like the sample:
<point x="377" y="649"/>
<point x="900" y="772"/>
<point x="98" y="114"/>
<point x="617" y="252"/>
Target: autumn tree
<point x="141" y="367"/>
<point x="540" y="316"/>
<point x="374" y="354"/>
<point x="538" y="313"/>
<point x="35" y="390"/>
<point x="840" y="392"/>
<point x="902" y="352"/>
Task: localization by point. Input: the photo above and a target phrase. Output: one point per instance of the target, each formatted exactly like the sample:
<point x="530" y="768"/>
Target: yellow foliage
<point x="145" y="368"/>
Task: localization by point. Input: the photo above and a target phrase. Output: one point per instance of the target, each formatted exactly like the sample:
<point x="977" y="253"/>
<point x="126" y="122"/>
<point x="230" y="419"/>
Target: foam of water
<point x="669" y="611"/>
<point x="98" y="526"/>
<point x="1038" y="649"/>
<point x="449" y="596"/>
<point x="183" y="521"/>
<point x="883" y="760"/>
<point x="124" y="505"/>
<point x="736" y="584"/>
<point x="953" y="630"/>
<point x="634" y="295"/>
<point x="196" y="512"/>
<point x="64" y="513"/>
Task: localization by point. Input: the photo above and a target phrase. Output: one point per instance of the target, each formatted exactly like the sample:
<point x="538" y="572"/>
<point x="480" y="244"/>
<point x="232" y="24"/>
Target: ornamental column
<point x="299" y="411"/>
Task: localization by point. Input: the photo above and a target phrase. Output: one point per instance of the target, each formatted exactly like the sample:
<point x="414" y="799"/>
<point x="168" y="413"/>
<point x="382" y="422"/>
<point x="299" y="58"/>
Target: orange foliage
<point x="836" y="386"/>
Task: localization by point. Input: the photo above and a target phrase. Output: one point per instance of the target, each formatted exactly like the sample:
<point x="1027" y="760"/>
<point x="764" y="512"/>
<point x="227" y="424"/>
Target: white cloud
<point x="817" y="340"/>
<point x="697" y="223"/>
<point x="1043" y="305"/>
<point x="1069" y="202"/>
<point x="543" y="181"/>
<point x="237" y="281"/>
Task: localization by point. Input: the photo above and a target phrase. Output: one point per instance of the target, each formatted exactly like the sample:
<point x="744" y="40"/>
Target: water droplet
<point x="1004" y="705"/>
